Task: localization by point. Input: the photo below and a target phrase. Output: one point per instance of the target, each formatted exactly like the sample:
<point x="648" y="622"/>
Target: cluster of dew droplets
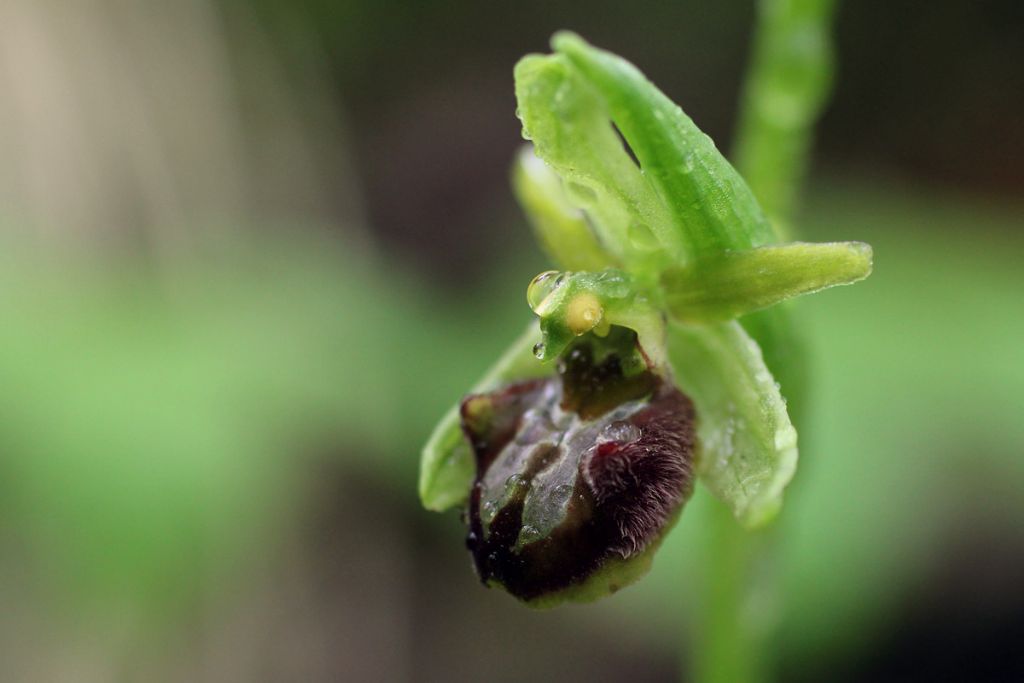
<point x="539" y="289"/>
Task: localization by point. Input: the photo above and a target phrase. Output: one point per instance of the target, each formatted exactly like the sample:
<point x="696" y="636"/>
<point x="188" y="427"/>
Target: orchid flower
<point x="638" y="377"/>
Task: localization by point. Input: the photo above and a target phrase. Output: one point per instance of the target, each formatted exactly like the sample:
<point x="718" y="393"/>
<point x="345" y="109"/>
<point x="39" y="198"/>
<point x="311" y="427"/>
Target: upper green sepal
<point x="570" y="126"/>
<point x="710" y="207"/>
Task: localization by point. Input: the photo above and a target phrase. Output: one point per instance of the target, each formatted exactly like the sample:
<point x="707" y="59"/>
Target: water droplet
<point x="620" y="431"/>
<point x="560" y="93"/>
<point x="581" y="192"/>
<point x="563" y="490"/>
<point x="688" y="163"/>
<point x="615" y="285"/>
<point x="542" y="286"/>
<point x="490" y="508"/>
<point x="471" y="540"/>
<point x="528" y="534"/>
<point x="517" y="481"/>
<point x="538" y="349"/>
<point x="641" y="237"/>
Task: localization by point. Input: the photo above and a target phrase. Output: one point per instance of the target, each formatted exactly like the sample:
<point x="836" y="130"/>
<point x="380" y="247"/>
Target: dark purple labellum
<point x="575" y="472"/>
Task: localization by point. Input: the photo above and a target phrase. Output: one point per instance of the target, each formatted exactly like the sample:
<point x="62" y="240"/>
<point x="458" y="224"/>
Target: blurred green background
<point x="250" y="251"/>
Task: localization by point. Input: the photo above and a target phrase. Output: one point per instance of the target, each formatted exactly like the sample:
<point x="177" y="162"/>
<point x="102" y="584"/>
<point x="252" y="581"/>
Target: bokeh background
<point x="250" y="251"/>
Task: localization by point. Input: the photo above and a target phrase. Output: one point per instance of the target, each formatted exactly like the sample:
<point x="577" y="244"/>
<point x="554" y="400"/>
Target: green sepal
<point x="560" y="227"/>
<point x="747" y="444"/>
<point x="710" y="206"/>
<point x="446" y="464"/>
<point x="570" y="126"/>
<point x="740" y="282"/>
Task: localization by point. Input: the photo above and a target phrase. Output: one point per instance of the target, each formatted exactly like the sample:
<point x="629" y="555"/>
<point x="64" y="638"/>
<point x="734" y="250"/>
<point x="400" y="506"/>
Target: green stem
<point x="737" y="605"/>
<point x="787" y="85"/>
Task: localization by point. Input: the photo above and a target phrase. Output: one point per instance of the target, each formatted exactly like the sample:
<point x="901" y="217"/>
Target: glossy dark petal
<point x="574" y="471"/>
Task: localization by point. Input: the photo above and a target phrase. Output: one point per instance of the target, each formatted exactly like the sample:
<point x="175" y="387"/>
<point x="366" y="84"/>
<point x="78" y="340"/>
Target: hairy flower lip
<point x="566" y="483"/>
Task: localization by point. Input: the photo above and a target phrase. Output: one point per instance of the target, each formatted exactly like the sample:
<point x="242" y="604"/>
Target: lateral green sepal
<point x="740" y="282"/>
<point x="747" y="444"/>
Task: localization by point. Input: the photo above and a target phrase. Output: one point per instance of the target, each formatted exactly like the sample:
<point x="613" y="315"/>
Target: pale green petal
<point x="560" y="227"/>
<point x="446" y="464"/>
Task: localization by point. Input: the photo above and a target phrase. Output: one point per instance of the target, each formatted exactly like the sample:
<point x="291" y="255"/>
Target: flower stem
<point x="737" y="607"/>
<point x="788" y="82"/>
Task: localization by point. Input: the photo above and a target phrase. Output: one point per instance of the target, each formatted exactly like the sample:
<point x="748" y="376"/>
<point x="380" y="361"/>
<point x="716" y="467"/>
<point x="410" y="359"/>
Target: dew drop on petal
<point x="620" y="431"/>
<point x="528" y="534"/>
<point x="641" y="237"/>
<point x="564" y="490"/>
<point x="581" y="193"/>
<point x="542" y="286"/>
<point x="516" y="481"/>
<point x="688" y="163"/>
